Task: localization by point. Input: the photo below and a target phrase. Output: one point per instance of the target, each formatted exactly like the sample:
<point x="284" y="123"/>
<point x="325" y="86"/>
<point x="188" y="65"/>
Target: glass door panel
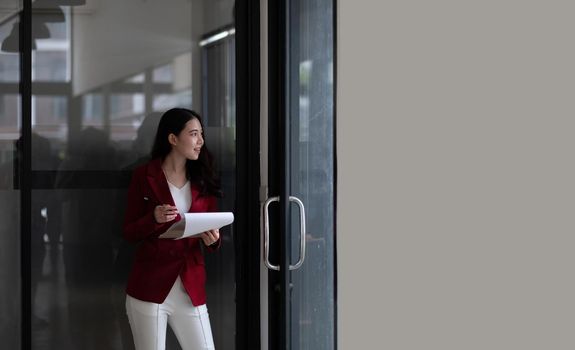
<point x="10" y="141"/>
<point x="306" y="296"/>
<point x="97" y="99"/>
<point x="312" y="171"/>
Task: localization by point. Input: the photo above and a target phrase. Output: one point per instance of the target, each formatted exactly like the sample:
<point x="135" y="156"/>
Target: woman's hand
<point x="165" y="213"/>
<point x="210" y="237"/>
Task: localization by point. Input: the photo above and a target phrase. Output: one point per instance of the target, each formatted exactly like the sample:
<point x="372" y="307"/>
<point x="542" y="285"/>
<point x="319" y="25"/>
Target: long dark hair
<point x="201" y="171"/>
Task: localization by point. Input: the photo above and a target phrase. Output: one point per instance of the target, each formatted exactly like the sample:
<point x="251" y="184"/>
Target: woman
<point x="167" y="280"/>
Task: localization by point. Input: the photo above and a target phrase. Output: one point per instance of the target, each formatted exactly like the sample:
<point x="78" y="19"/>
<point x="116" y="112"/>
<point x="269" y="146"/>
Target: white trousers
<point x="190" y="324"/>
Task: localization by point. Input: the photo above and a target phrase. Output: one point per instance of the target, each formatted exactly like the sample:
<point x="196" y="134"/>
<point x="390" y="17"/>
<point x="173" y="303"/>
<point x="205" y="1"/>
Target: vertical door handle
<point x="301" y="233"/>
<point x="267" y="233"/>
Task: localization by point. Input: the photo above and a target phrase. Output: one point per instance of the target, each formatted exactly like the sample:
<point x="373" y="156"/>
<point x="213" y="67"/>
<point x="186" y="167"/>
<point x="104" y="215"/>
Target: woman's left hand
<point x="210" y="237"/>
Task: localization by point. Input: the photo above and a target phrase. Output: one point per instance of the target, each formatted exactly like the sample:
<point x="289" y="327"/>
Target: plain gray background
<point x="456" y="196"/>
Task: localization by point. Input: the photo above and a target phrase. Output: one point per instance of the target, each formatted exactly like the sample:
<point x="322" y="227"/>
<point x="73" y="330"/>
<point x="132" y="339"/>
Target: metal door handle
<point x="267" y="233"/>
<point x="301" y="233"/>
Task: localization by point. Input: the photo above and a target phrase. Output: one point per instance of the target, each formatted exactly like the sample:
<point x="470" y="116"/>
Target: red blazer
<point x="158" y="262"/>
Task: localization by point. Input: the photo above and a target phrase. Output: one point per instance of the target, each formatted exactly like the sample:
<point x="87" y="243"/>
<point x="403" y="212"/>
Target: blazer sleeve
<point x="139" y="221"/>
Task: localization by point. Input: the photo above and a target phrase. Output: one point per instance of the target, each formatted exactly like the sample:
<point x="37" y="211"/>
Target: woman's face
<point x="190" y="140"/>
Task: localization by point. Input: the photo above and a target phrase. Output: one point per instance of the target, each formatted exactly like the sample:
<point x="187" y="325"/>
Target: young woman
<point x="167" y="280"/>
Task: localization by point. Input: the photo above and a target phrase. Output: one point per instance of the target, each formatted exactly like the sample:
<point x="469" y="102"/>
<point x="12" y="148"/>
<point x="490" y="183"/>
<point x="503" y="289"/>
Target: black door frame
<point x="278" y="167"/>
<point x="248" y="255"/>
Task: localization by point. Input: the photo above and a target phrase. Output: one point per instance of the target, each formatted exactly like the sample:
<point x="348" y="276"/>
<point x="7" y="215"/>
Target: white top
<point x="182" y="197"/>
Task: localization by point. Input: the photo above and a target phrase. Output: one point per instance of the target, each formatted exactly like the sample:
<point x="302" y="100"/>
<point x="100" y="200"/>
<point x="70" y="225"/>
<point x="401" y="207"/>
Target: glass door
<point x="10" y="179"/>
<point x="299" y="214"/>
<point x="83" y="84"/>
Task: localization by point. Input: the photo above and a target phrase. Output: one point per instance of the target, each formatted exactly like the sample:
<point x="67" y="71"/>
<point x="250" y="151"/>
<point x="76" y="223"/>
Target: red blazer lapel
<point x="159" y="185"/>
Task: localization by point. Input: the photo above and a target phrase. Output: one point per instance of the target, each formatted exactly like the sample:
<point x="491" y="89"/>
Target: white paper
<point x="193" y="224"/>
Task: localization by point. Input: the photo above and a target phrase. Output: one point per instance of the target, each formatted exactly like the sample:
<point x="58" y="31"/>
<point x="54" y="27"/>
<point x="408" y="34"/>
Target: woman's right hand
<point x="165" y="213"/>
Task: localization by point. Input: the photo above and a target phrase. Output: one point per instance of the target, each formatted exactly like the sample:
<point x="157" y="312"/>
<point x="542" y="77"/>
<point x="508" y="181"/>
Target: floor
<point x="74" y="313"/>
<point x="78" y="301"/>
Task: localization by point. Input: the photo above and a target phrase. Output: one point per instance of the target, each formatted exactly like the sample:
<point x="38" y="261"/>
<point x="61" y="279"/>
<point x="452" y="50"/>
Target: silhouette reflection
<point x="10" y="251"/>
<point x="88" y="217"/>
<point x="80" y="261"/>
<point x="139" y="154"/>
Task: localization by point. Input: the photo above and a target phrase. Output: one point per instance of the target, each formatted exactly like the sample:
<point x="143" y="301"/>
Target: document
<point x="193" y="224"/>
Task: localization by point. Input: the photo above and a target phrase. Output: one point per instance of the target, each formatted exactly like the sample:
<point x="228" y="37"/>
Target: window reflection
<point x="9" y="121"/>
<point x="50" y="31"/>
<point x="9" y="65"/>
<point x="93" y="109"/>
<point x="313" y="172"/>
<point x="96" y="106"/>
<point x="125" y="106"/>
<point x="50" y="65"/>
<point x="10" y="301"/>
<point x="163" y="74"/>
<point x="163" y="101"/>
<point x="138" y="78"/>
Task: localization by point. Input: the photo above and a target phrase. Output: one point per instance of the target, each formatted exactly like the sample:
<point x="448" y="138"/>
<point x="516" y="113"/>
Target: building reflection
<point x="93" y="121"/>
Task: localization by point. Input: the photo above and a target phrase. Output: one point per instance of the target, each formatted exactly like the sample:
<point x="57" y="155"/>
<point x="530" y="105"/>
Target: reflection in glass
<point x="312" y="173"/>
<point x="126" y="105"/>
<point x="92" y="110"/>
<point x="10" y="302"/>
<point x="97" y="99"/>
<point x="163" y="74"/>
<point x="51" y="39"/>
<point x="50" y="65"/>
<point x="138" y="78"/>
<point x="9" y="115"/>
<point x="164" y="101"/>
<point x="9" y="64"/>
<point x="50" y="110"/>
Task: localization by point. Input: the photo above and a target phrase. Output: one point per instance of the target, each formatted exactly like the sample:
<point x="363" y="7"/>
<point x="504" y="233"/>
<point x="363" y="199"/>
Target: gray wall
<point x="456" y="193"/>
